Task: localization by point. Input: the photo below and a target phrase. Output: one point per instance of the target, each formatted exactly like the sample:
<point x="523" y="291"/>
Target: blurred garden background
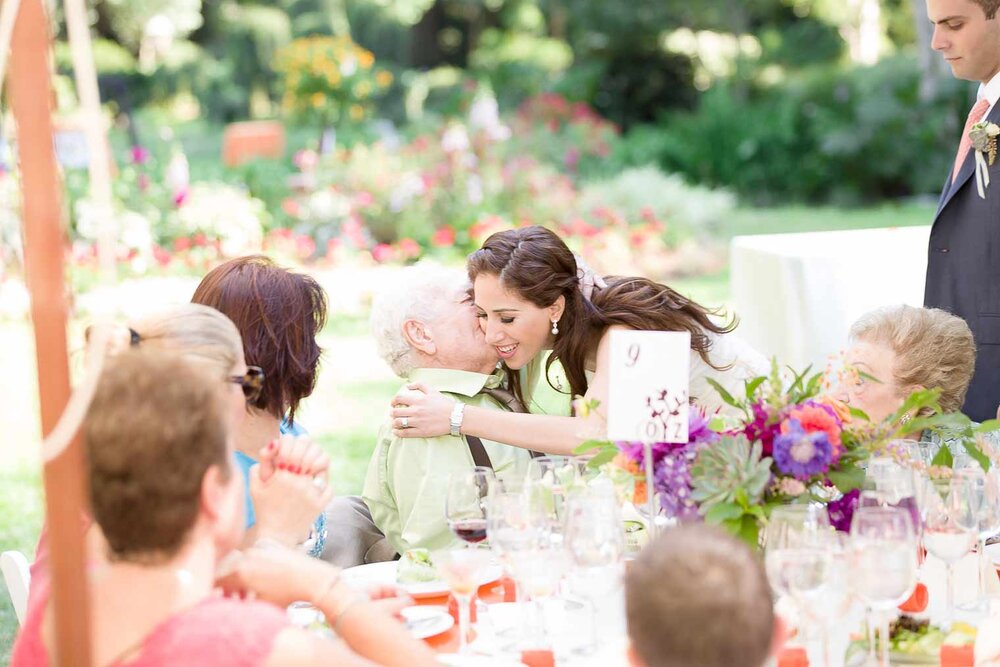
<point x="383" y="132"/>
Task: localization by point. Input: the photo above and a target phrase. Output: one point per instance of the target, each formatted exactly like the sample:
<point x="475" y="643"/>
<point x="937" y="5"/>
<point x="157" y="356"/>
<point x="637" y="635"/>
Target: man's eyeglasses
<point x="252" y="382"/>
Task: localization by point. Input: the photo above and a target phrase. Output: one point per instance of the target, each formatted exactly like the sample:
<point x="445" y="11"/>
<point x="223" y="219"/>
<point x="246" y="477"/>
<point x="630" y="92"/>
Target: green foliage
<point x="129" y="17"/>
<point x="519" y="65"/>
<point x="827" y="134"/>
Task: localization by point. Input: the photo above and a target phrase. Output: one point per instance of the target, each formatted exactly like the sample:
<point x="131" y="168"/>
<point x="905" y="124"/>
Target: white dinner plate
<point x="384" y="574"/>
<point x="424" y="622"/>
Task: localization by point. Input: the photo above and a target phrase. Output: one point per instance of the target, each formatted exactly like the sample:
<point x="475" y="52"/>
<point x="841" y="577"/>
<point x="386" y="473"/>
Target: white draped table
<point x="797" y="294"/>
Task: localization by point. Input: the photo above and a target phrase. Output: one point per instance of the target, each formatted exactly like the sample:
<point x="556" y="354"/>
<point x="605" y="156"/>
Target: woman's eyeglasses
<point x="252" y="382"/>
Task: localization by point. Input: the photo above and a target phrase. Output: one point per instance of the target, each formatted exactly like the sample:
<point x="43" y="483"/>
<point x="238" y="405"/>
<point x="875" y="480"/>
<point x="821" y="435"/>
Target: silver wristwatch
<point x="457" y="413"/>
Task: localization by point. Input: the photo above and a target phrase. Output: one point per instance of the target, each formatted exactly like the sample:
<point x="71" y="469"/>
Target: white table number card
<point x="648" y="397"/>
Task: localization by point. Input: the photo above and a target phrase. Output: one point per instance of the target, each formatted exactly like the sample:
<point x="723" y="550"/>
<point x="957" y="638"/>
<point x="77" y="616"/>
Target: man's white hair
<point x="422" y="292"/>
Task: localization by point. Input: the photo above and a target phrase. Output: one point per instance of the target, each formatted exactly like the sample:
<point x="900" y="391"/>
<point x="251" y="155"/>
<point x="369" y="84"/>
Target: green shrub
<point x="828" y="134"/>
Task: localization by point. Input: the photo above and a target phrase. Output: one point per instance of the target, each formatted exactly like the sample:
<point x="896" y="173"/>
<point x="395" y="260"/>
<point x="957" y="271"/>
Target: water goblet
<point x="884" y="558"/>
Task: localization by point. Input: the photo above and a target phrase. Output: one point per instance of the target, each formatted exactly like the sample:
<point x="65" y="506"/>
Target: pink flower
<point x="306" y="160"/>
<point x="162" y="256"/>
<point x="382" y="252"/>
<point x="409" y="248"/>
<point x="182" y="244"/>
<point x="572" y="159"/>
<point x="139" y="155"/>
<point x="291" y="207"/>
<point x="444" y="237"/>
<point x="304" y="246"/>
<point x="363" y="199"/>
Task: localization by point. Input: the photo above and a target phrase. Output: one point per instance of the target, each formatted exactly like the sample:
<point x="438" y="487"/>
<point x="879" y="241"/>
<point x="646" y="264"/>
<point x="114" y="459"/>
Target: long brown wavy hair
<point x="535" y="264"/>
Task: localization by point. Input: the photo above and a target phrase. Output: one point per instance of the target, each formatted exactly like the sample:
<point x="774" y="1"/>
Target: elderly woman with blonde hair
<point x="897" y="350"/>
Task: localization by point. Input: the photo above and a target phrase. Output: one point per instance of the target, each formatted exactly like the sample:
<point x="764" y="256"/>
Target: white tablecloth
<point x="798" y="294"/>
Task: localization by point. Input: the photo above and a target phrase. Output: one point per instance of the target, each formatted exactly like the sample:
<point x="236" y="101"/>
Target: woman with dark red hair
<point x="278" y="314"/>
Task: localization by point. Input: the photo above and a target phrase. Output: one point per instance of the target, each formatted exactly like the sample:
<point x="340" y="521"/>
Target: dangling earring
<point x="555" y="327"/>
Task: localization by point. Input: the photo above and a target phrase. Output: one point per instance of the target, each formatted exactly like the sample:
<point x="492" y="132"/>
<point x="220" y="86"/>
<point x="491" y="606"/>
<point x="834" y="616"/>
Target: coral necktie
<point x="976" y="115"/>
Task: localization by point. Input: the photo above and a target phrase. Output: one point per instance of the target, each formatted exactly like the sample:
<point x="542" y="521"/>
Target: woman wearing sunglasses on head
<point x="278" y="314"/>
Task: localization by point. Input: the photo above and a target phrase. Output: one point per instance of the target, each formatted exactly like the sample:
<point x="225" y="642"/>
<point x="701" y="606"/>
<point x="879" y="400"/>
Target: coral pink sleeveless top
<point x="217" y="631"/>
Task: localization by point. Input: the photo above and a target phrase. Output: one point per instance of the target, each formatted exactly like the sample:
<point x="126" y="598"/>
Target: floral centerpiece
<point x="789" y="443"/>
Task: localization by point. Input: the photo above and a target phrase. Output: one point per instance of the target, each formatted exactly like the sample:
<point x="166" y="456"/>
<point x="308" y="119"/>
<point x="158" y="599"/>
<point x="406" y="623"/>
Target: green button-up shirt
<point x="407" y="481"/>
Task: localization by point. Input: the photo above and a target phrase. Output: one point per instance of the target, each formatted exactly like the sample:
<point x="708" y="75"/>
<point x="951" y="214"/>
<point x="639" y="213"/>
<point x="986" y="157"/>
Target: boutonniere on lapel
<point x="984" y="141"/>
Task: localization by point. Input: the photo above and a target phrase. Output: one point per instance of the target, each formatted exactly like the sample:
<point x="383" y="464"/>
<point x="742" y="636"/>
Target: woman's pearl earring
<point x="555" y="327"/>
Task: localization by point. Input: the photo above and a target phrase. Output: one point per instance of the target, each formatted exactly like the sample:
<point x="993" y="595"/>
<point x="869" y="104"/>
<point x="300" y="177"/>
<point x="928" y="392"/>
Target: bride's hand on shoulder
<point x="421" y="412"/>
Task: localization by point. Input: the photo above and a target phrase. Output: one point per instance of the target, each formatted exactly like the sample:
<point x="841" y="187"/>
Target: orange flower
<point x="839" y="407"/>
<point x="814" y="418"/>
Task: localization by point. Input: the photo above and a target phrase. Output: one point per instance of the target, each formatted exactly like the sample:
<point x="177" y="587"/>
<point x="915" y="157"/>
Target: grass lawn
<point x="353" y="391"/>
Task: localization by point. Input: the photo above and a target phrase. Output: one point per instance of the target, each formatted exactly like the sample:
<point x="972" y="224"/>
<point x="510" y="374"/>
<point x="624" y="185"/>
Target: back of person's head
<point x="154" y="428"/>
<point x="698" y="597"/>
<point x="200" y="334"/>
<point x="933" y="349"/>
<point x="278" y="314"/>
<point x="423" y="293"/>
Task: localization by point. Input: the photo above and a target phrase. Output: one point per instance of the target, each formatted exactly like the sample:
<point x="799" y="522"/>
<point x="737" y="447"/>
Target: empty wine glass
<point x="595" y="541"/>
<point x="830" y="603"/>
<point x="463" y="570"/>
<point x="550" y="477"/>
<point x="884" y="555"/>
<point x="791" y="529"/>
<point x="890" y="484"/>
<point x="465" y="507"/>
<point x="980" y="503"/>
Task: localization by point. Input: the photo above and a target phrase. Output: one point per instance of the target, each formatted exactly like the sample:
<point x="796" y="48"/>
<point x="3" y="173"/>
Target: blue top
<point x="244" y="463"/>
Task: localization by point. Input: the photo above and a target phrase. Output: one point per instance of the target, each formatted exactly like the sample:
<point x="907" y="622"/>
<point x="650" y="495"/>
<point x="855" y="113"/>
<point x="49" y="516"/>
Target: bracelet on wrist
<point x="457" y="415"/>
<point x="351" y="604"/>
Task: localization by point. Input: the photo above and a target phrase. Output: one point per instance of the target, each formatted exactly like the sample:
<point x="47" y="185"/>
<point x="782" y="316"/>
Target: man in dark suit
<point x="963" y="260"/>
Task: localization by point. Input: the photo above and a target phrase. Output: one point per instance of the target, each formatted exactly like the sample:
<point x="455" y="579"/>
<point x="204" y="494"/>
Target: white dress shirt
<point x="990" y="91"/>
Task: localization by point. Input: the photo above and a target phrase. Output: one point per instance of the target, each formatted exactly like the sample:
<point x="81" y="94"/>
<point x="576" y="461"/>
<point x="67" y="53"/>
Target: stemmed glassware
<point x="979" y="501"/>
<point x="884" y="555"/>
<point x="949" y="530"/>
<point x="594" y="538"/>
<point x="465" y="507"/>
<point x="463" y="571"/>
<point x="890" y="484"/>
<point x="794" y="556"/>
<point x="550" y="478"/>
<point x="828" y="604"/>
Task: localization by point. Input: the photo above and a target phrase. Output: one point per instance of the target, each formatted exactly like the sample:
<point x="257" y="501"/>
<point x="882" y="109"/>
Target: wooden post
<point x="30" y="89"/>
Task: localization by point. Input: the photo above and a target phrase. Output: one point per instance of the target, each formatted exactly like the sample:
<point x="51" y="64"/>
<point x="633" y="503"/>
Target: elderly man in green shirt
<point x="426" y="329"/>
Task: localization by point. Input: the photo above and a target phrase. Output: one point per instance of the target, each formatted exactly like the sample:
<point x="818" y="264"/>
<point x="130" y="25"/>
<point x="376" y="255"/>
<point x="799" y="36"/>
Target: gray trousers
<point x="352" y="538"/>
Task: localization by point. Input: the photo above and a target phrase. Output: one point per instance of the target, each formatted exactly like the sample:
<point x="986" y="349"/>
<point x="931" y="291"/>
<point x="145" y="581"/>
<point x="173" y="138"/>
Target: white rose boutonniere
<point x="984" y="141"/>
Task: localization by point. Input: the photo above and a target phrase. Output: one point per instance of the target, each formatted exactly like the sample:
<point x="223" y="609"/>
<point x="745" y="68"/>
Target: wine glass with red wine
<point x="465" y="507"/>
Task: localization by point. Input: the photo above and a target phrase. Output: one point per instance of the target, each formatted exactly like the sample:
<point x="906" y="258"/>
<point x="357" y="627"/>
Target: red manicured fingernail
<point x="282" y="466"/>
<point x="271" y="445"/>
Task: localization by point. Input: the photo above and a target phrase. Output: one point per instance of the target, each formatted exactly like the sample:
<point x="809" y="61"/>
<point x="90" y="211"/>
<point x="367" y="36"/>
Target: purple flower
<point x="698" y="430"/>
<point x="633" y="450"/>
<point x="672" y="481"/>
<point x="802" y="454"/>
<point x="759" y="429"/>
<point x="841" y="511"/>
